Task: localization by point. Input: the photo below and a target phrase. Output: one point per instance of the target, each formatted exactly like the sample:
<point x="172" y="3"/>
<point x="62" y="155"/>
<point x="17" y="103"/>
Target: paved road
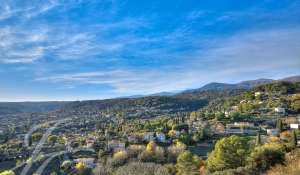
<point x="39" y="146"/>
<point x="41" y="169"/>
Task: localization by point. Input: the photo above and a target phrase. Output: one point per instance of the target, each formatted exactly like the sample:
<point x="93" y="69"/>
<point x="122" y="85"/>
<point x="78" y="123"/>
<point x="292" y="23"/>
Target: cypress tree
<point x="258" y="139"/>
<point x="279" y="126"/>
<point x="294" y="139"/>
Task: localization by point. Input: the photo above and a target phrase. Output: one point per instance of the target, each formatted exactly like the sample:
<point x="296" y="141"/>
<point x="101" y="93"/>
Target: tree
<point x="230" y="152"/>
<point x="52" y="139"/>
<point x="187" y="164"/>
<point x="279" y="126"/>
<point x="7" y="173"/>
<point x="36" y="136"/>
<point x="265" y="156"/>
<point x="258" y="139"/>
<point x="151" y="146"/>
<point x="82" y="169"/>
<point x="66" y="165"/>
<point x="295" y="104"/>
<point x="293" y="140"/>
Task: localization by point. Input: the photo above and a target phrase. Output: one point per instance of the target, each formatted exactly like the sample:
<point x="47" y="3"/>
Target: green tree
<point x="258" y="139"/>
<point x="188" y="164"/>
<point x="230" y="152"/>
<point x="279" y="126"/>
<point x="265" y="156"/>
<point x="36" y="136"/>
<point x="295" y="104"/>
<point x="293" y="140"/>
<point x="52" y="139"/>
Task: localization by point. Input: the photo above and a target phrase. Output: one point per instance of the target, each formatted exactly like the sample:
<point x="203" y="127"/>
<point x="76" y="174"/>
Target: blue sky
<point x="95" y="49"/>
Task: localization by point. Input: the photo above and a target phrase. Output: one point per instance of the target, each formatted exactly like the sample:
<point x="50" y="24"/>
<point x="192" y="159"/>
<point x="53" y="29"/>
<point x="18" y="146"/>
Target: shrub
<point x="119" y="158"/>
<point x="7" y="173"/>
<point x="188" y="164"/>
<point x="137" y="168"/>
<point x="265" y="156"/>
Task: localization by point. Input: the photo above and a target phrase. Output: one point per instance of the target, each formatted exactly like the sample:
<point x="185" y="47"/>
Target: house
<point x="247" y="130"/>
<point x="243" y="124"/>
<point x="90" y="143"/>
<point x="149" y="136"/>
<point x="256" y="94"/>
<point x="219" y="129"/>
<point x="272" y="132"/>
<point x="133" y="139"/>
<point x="294" y="126"/>
<point x="116" y="145"/>
<point x="279" y="110"/>
<point x="89" y="162"/>
<point x="161" y="137"/>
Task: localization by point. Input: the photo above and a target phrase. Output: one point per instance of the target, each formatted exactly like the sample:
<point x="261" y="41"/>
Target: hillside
<point x="22" y="107"/>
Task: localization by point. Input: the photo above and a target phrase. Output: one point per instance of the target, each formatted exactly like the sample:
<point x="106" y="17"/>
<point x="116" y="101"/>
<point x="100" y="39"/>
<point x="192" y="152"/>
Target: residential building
<point x="279" y="110"/>
<point x="294" y="126"/>
<point x="161" y="137"/>
<point x="116" y="145"/>
<point x="272" y="132"/>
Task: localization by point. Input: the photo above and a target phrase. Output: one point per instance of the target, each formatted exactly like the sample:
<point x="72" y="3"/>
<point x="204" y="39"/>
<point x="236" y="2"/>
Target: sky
<point x="97" y="49"/>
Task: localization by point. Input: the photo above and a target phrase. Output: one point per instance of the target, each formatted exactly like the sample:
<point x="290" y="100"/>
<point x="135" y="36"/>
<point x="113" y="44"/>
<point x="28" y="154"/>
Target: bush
<point x="7" y="173"/>
<point x="119" y="158"/>
<point x="265" y="156"/>
<point x="157" y="155"/>
<point x="291" y="165"/>
<point x="135" y="150"/>
<point x="188" y="164"/>
<point x="136" y="168"/>
<point x="175" y="150"/>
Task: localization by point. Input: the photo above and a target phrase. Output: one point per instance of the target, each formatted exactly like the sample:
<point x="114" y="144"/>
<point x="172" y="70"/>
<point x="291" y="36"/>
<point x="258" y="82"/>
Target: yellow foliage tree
<point x="151" y="146"/>
<point x="80" y="167"/>
<point x="7" y="173"/>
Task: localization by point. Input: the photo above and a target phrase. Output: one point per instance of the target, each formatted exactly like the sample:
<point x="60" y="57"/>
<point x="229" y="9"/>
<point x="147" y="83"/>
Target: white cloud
<point x="272" y="53"/>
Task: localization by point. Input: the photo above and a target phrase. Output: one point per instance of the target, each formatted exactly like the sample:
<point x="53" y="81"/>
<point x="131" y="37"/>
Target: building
<point x="294" y="126"/>
<point x="256" y="94"/>
<point x="219" y="129"/>
<point x="272" y="132"/>
<point x="149" y="136"/>
<point x="116" y="145"/>
<point x="90" y="143"/>
<point x="161" y="137"/>
<point x="279" y="110"/>
<point x="243" y="124"/>
<point x="133" y="139"/>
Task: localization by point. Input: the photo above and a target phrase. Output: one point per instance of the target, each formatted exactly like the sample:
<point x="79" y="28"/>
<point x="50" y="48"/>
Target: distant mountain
<point x="24" y="107"/>
<point x="243" y="85"/>
<point x="292" y="79"/>
<point x="252" y="83"/>
<point x="167" y="101"/>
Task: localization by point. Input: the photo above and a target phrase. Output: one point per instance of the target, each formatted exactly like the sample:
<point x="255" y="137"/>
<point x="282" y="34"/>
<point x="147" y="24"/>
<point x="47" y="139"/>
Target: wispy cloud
<point x="274" y="53"/>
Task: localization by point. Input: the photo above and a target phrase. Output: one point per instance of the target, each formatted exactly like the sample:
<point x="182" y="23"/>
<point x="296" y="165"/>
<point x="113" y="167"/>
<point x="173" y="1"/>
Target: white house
<point x="294" y="126"/>
<point x="279" y="110"/>
<point x="133" y="139"/>
<point x="243" y="124"/>
<point x="149" y="136"/>
<point x="116" y="145"/>
<point x="257" y="94"/>
<point x="272" y="132"/>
